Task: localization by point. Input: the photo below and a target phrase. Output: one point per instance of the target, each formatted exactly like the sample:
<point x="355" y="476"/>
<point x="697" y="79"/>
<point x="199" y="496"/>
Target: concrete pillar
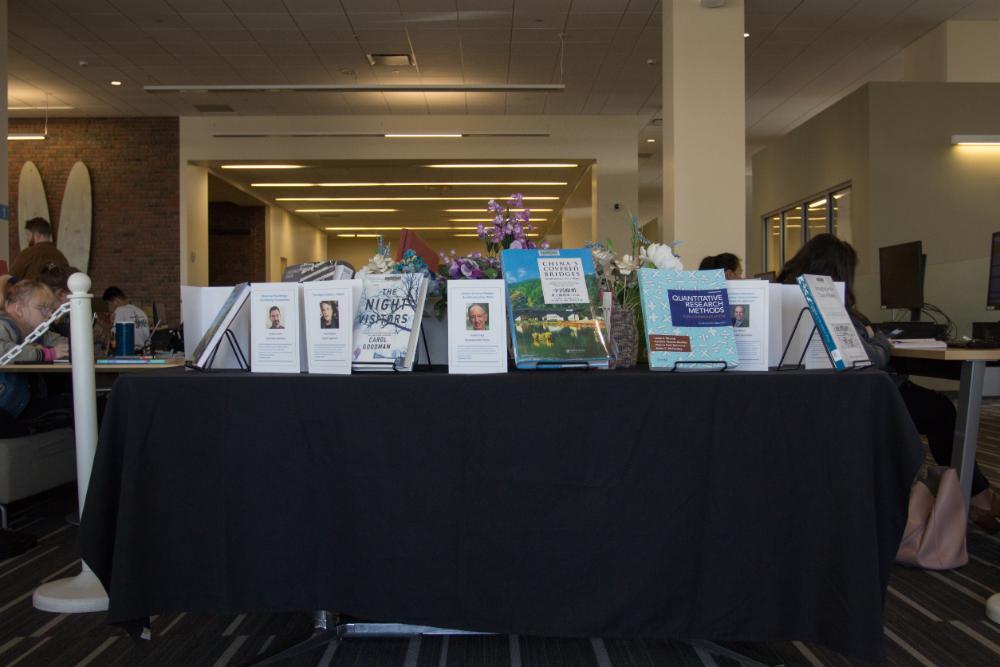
<point x="704" y="129"/>
<point x="194" y="225"/>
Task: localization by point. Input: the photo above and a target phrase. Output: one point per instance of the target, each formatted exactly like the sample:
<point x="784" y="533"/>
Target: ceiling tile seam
<point x="364" y="53"/>
<point x="635" y="46"/>
<point x="312" y="49"/>
<point x="510" y="54"/>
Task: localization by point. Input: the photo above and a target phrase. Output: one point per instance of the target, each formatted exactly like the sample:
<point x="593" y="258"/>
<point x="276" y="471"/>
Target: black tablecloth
<point x="736" y="506"/>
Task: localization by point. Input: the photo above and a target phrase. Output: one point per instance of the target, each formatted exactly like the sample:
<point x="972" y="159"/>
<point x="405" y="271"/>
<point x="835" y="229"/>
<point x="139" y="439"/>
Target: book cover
<point x="787" y="302"/>
<point x="477" y="326"/>
<point x="749" y="312"/>
<point x="553" y="308"/>
<point x="328" y="324"/>
<point x="835" y="326"/>
<point x="688" y="319"/>
<point x="207" y="353"/>
<point x="387" y="326"/>
<point x="274" y="328"/>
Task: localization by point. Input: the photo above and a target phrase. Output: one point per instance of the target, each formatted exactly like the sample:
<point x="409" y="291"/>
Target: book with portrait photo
<point x="553" y="309"/>
<point x="274" y="328"/>
<point x="477" y="326"/>
<point x="328" y="326"/>
<point x="689" y="324"/>
<point x="749" y="313"/>
<point x="387" y="325"/>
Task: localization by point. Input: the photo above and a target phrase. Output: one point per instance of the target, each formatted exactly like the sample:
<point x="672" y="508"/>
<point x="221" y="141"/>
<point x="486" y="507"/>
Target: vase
<point x="624" y="337"/>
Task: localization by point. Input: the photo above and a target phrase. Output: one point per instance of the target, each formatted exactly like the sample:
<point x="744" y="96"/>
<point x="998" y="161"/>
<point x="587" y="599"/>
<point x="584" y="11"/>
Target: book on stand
<point x="688" y="320"/>
<point x="553" y="309"/>
<point x="205" y="352"/>
<point x="274" y="328"/>
<point x="328" y="325"/>
<point x="749" y="311"/>
<point x="834" y="323"/>
<point x="387" y="326"/>
<point x="477" y="326"/>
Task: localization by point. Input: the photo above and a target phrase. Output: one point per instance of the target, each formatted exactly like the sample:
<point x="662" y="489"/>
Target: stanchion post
<point x="84" y="592"/>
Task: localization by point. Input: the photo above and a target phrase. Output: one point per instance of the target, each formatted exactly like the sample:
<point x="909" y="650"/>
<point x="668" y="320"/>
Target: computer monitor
<point x="993" y="288"/>
<point x="901" y="277"/>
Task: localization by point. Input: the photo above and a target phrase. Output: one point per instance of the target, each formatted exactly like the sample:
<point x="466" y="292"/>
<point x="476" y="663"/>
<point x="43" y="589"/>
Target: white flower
<point x="602" y="256"/>
<point x="379" y="264"/>
<point x="662" y="256"/>
<point x="626" y="265"/>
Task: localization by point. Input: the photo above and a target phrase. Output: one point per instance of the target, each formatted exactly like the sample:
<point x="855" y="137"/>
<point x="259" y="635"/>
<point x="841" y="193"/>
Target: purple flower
<point x="516" y="245"/>
<point x="516" y="200"/>
<point x="545" y="245"/>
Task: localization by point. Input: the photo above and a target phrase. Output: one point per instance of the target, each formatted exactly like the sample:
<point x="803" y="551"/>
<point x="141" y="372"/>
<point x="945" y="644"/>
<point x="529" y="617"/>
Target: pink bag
<point x="934" y="538"/>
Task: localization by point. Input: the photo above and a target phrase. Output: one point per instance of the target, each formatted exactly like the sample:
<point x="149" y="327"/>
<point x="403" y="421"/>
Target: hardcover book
<point x="207" y="352"/>
<point x="688" y="320"/>
<point x="387" y="326"/>
<point x="833" y="322"/>
<point x="553" y="309"/>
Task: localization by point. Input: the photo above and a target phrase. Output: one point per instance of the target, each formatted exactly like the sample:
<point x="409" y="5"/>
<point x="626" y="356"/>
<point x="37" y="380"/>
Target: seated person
<point x="123" y="311"/>
<point x="29" y="303"/>
<point x="727" y="261"/>
<point x="932" y="412"/>
<point x="56" y="278"/>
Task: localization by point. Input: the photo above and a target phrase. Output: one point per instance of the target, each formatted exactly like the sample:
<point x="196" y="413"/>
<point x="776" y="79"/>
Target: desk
<point x="99" y="368"/>
<point x="726" y="506"/>
<point x="969" y="367"/>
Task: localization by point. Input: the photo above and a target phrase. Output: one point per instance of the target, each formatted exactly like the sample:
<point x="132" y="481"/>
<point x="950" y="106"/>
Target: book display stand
<point x="792" y="367"/>
<point x="679" y="366"/>
<point x="234" y="344"/>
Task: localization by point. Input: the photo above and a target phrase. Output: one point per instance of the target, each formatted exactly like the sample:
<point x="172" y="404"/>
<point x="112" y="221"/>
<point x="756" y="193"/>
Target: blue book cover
<point x="554" y="309"/>
<point x="833" y="322"/>
<point x="687" y="319"/>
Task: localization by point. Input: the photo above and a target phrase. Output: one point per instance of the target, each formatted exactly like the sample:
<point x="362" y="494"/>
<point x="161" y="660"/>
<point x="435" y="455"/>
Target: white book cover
<point x="328" y="324"/>
<point x="787" y="301"/>
<point x="274" y="328"/>
<point x="477" y="326"/>
<point x="387" y="325"/>
<point x="833" y="322"/>
<point x="207" y="313"/>
<point x="750" y="314"/>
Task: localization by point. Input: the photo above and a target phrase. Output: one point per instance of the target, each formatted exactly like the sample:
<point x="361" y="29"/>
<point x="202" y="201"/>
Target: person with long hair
<point x="932" y="412"/>
<point x="726" y="261"/>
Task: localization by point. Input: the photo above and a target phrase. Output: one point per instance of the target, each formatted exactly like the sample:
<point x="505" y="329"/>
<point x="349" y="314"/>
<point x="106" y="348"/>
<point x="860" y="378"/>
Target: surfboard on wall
<point x="31" y="202"/>
<point x="76" y="218"/>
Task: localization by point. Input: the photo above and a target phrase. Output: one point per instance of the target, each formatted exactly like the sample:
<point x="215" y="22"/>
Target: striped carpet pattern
<point x="932" y="618"/>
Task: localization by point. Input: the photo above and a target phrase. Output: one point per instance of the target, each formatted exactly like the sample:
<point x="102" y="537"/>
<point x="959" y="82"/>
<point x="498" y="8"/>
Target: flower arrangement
<point x="619" y="273"/>
<point x="411" y="262"/>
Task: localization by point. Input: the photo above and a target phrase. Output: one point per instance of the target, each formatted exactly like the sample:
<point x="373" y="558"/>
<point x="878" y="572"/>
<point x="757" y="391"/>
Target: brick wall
<point x="133" y="164"/>
<point x="236" y="250"/>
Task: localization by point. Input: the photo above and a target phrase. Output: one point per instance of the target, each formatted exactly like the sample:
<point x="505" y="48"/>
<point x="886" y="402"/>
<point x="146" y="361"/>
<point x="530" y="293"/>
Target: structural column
<point x="704" y="129"/>
<point x="4" y="192"/>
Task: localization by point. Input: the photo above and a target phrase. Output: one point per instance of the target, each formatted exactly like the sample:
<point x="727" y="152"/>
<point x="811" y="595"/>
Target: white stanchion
<point x="84" y="592"/>
<point x="993" y="608"/>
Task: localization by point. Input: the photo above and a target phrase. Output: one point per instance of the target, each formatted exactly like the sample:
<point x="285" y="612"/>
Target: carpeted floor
<point x="931" y="618"/>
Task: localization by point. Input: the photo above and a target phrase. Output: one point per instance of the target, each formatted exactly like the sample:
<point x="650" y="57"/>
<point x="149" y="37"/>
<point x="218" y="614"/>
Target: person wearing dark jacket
<point x="932" y="412"/>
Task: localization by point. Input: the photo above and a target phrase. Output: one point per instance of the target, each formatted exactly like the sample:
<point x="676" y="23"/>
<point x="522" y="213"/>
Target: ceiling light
<point x="532" y="198"/>
<point x="363" y="88"/>
<point x="409" y="184"/>
<point x="116" y="83"/>
<point x="20" y="136"/>
<point x="976" y="139"/>
<point x="650" y="141"/>
<point x="489" y="220"/>
<point x="352" y="210"/>
<point x="263" y="166"/>
<point x="479" y="210"/>
<point x="518" y="165"/>
<point x="386" y="229"/>
<point x="397" y="135"/>
<point x="746" y="35"/>
<point x="389" y="59"/>
<point x="818" y="203"/>
<point x="39" y="108"/>
<point x="358" y="236"/>
<point x="466" y="235"/>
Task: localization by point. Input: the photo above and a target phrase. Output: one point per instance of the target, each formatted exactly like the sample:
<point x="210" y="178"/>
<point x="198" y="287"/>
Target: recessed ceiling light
<point x="745" y="35"/>
<point x="389" y="59"/>
<point x="116" y="83"/>
<point x="520" y="165"/>
<point x="650" y="141"/>
<point x="263" y="166"/>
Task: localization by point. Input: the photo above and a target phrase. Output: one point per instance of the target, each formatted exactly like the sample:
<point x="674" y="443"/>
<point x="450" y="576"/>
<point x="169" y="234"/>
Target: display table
<point x="736" y="506"/>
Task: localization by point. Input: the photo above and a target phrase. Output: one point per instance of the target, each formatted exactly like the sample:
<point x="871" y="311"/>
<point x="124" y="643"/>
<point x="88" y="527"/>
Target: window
<point x="786" y="231"/>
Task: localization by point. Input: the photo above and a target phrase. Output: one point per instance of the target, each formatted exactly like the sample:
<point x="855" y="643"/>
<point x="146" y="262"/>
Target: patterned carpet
<point x="931" y="618"/>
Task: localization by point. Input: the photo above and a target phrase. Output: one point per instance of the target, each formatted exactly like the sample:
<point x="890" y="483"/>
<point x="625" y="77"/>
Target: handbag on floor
<point x="934" y="538"/>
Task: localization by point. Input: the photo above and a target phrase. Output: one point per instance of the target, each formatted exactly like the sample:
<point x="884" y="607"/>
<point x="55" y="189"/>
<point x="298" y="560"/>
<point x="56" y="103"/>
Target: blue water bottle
<point x="124" y="339"/>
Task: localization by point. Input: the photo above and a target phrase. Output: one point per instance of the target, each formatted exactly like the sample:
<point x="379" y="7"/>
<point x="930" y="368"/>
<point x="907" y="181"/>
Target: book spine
<point x="824" y="330"/>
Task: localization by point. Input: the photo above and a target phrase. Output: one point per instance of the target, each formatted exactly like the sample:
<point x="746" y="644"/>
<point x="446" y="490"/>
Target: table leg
<point x="970" y="399"/>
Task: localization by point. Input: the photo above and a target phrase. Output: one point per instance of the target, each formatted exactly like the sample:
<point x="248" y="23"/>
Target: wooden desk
<point x="969" y="368"/>
<point x="99" y="368"/>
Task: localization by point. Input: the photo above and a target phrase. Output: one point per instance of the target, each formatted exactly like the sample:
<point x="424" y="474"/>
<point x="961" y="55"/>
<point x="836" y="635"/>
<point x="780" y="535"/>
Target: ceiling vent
<point x="214" y="108"/>
<point x="390" y="60"/>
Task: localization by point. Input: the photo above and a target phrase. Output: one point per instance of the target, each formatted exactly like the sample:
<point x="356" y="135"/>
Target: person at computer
<point x="124" y="311"/>
<point x="726" y="261"/>
<point x="932" y="412"/>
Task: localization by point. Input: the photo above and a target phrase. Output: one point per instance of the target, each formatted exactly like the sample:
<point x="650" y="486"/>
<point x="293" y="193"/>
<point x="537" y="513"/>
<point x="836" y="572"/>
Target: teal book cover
<point x="553" y="308"/>
<point x="687" y="318"/>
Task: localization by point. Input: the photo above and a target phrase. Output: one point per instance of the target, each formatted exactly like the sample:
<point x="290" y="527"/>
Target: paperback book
<point x="207" y="350"/>
<point x="387" y="326"/>
<point x="477" y="326"/>
<point x="553" y="309"/>
<point x="749" y="311"/>
<point x="328" y="324"/>
<point x="274" y="328"/>
<point x="688" y="320"/>
<point x="787" y="302"/>
<point x="833" y="322"/>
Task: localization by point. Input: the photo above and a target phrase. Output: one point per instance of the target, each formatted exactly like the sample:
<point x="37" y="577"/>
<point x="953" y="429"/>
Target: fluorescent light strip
<point x="263" y="166"/>
<point x="362" y="88"/>
<point x="39" y="108"/>
<point x="411" y="184"/>
<point x="422" y="136"/>
<point x="479" y="210"/>
<point x="533" y="198"/>
<point x="25" y="137"/>
<point x="358" y="236"/>
<point x="818" y="203"/>
<point x="352" y="210"/>
<point x="976" y="139"/>
<point x="518" y="165"/>
<point x="386" y="229"/>
<point x="489" y="220"/>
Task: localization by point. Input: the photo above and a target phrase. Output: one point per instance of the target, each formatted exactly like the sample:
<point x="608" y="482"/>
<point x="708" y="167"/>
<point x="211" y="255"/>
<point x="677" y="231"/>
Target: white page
<point x="748" y="308"/>
<point x="199" y="306"/>
<point x="789" y="302"/>
<point x="328" y="322"/>
<point x="835" y="321"/>
<point x="477" y="326"/>
<point x="274" y="328"/>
